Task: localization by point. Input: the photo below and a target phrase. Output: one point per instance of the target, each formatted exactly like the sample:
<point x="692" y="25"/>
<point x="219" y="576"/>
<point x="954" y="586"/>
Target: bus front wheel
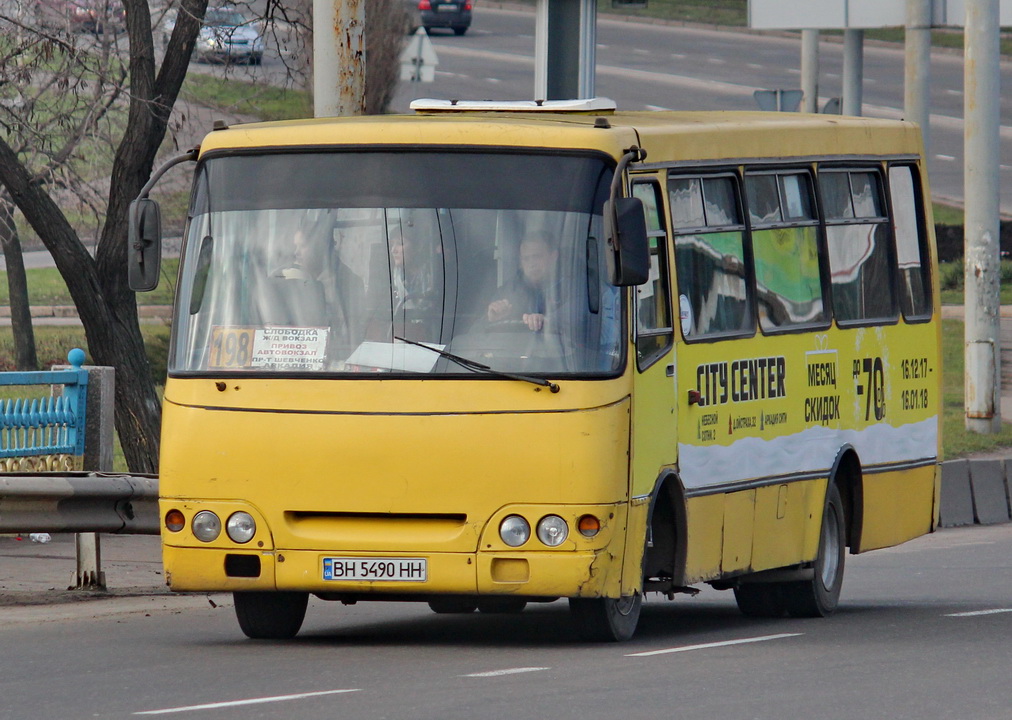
<point x="452" y="605"/>
<point x="819" y="596"/>
<point x="606" y="619"/>
<point x="270" y="615"/>
<point x="501" y="605"/>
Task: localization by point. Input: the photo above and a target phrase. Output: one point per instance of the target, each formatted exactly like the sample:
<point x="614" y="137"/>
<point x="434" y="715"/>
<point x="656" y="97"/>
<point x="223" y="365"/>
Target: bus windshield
<point x="373" y="262"/>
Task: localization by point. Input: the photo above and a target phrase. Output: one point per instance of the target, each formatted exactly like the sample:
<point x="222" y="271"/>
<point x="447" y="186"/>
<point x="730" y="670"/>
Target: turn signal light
<point x="589" y="526"/>
<point x="174" y="521"/>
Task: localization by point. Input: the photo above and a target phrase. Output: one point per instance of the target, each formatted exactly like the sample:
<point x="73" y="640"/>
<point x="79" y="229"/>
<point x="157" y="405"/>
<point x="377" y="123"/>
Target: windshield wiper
<point x="478" y="367"/>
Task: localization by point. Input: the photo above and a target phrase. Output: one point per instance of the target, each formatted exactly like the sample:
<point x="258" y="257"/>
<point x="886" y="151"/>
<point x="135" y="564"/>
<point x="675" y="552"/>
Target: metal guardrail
<point x="44" y="443"/>
<point x="79" y="502"/>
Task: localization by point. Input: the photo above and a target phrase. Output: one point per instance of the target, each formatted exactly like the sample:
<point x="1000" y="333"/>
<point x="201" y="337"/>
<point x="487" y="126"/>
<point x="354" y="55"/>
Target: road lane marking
<point x="715" y="86"/>
<point x="508" y="671"/>
<point x="977" y="613"/>
<point x="707" y="646"/>
<point x="251" y="701"/>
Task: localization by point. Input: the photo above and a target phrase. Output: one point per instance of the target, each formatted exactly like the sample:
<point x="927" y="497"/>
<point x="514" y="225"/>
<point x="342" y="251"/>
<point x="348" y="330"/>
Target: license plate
<point x="446" y="7"/>
<point x="373" y="569"/>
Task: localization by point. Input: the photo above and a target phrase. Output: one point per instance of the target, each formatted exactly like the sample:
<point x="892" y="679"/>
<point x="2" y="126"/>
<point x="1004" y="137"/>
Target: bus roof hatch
<point x="585" y="105"/>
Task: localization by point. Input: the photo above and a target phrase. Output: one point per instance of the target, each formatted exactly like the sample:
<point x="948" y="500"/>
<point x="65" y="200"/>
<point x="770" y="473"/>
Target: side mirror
<point x="628" y="248"/>
<point x="144" y="244"/>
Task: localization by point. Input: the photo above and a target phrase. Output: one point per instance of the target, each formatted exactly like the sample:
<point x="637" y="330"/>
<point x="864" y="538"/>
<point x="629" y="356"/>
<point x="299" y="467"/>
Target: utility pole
<point x="917" y="67"/>
<point x="982" y="88"/>
<point x="810" y="71"/>
<point x="565" y="45"/>
<point x="853" y="70"/>
<point x="338" y="57"/>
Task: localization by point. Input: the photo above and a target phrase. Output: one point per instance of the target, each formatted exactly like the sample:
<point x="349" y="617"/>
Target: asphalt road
<point x="922" y="632"/>
<point x="644" y="66"/>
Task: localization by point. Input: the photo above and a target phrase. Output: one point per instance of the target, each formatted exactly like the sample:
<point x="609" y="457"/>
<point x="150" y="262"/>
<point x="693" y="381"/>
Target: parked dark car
<point x="94" y="16"/>
<point x="451" y="14"/>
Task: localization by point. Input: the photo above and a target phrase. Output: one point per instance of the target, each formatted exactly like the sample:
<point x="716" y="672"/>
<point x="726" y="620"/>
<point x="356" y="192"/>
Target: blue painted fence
<point x="47" y="426"/>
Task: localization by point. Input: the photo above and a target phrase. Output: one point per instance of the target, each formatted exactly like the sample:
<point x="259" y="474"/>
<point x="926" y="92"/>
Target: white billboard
<point x="856" y="14"/>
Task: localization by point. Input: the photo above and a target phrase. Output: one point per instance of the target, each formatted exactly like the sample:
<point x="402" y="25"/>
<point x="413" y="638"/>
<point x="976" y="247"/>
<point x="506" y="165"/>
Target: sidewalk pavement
<point x="35" y="579"/>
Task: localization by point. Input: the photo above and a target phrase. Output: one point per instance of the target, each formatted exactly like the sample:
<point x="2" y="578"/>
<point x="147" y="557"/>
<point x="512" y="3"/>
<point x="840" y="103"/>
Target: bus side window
<point x="857" y="236"/>
<point x="654" y="333"/>
<point x="911" y="248"/>
<point x="785" y="244"/>
<point x="713" y="297"/>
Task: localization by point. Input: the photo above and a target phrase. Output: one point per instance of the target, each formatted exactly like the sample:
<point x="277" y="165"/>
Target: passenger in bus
<point x="319" y="290"/>
<point x="532" y="296"/>
<point x="403" y="290"/>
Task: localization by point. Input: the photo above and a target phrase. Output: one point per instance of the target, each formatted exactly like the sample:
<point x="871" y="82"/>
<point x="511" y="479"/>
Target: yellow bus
<point x="492" y="354"/>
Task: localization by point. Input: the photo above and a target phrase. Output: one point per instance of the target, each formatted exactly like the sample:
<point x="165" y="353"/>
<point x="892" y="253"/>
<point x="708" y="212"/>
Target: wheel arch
<point x="667" y="532"/>
<point x="849" y="479"/>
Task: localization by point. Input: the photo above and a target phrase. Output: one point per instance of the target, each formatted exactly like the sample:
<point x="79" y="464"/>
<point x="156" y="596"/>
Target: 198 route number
<point x="390" y="569"/>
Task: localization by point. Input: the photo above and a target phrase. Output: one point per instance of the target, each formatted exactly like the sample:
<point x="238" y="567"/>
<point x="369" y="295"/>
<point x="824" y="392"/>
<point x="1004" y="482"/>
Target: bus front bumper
<point x="533" y="574"/>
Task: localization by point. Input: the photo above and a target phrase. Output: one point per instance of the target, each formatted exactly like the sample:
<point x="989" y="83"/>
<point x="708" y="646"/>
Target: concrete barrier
<point x="987" y="483"/>
<point x="956" y="502"/>
<point x="976" y="492"/>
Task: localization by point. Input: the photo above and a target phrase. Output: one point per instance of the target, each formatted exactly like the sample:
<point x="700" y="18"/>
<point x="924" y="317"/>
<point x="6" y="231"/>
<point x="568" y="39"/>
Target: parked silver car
<point x="226" y="36"/>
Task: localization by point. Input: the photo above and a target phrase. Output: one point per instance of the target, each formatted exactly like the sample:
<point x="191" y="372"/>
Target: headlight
<point x="552" y="530"/>
<point x="206" y="526"/>
<point x="241" y="527"/>
<point x="515" y="531"/>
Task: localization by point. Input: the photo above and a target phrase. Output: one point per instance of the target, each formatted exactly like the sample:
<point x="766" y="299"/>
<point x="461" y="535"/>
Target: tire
<point x="760" y="600"/>
<point x="459" y="29"/>
<point x="820" y="596"/>
<point x="501" y="605"/>
<point x="606" y="619"/>
<point x="270" y="615"/>
<point x="452" y="605"/>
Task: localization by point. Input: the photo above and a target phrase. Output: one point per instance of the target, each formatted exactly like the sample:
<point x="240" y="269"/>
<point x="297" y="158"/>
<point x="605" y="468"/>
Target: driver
<point x="532" y="293"/>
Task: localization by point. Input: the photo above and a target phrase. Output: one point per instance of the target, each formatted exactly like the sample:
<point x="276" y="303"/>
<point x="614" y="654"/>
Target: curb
<point x="70" y="311"/>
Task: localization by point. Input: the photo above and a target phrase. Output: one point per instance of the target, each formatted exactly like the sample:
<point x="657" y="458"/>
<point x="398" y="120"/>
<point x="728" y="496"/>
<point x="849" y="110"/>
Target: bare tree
<point x="68" y="97"/>
<point x="386" y="24"/>
<point x="25" y="357"/>
<point x="79" y="79"/>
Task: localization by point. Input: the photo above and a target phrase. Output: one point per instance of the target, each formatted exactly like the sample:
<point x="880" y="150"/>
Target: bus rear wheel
<point x="820" y="596"/>
<point x="760" y="600"/>
<point x="606" y="619"/>
<point x="270" y="615"/>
